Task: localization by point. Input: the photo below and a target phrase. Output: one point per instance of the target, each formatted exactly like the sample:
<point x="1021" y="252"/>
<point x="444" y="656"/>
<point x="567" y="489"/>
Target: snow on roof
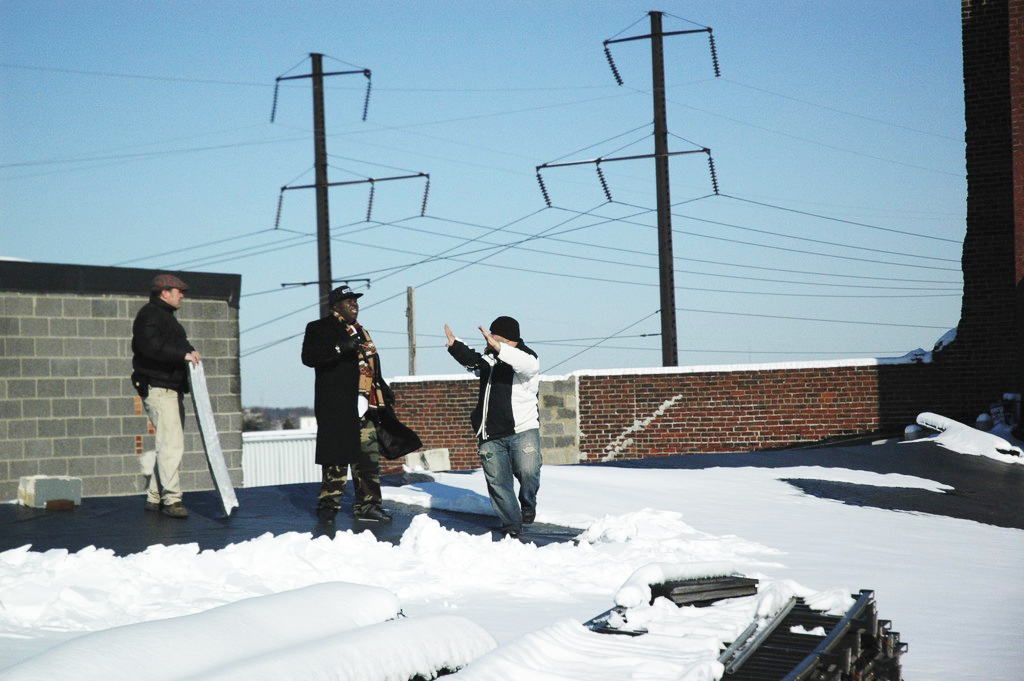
<point x="219" y="638"/>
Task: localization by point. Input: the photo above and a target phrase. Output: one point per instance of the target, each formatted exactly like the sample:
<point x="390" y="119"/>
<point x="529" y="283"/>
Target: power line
<point x="815" y="253"/>
<point x="596" y="144"/>
<point x="792" y="250"/>
<point x="844" y="112"/>
<point x="148" y="154"/>
<point x="830" y="255"/>
<point x="208" y="81"/>
<point x="421" y="285"/>
<point x="845" y="222"/>
<point x="782" y="235"/>
<point x="73" y="159"/>
<point x="267" y="346"/>
<point x="833" y="147"/>
<point x="621" y="249"/>
<point x="250" y="252"/>
<point x="379" y="302"/>
<point x="808" y="239"/>
<point x="492" y="250"/>
<point x="812" y="319"/>
<point x="600" y="341"/>
<point x="435" y="257"/>
<point x="641" y="266"/>
<point x="606" y="338"/>
<point x="133" y="76"/>
<point x="606" y="279"/>
<point x="507" y="112"/>
<point x="584" y="342"/>
<point x="193" y="247"/>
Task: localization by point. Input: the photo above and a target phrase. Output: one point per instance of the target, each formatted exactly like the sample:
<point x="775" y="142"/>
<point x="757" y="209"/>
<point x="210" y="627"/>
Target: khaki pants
<point x="166" y="410"/>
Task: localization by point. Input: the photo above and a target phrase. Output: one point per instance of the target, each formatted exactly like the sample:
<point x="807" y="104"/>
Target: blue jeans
<point x="504" y="458"/>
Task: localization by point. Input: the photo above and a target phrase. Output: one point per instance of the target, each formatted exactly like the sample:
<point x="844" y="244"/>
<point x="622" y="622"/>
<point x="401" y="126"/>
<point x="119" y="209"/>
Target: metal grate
<point x="856" y="646"/>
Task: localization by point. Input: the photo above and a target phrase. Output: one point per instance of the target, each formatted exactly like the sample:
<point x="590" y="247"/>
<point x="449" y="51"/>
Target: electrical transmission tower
<point x="321" y="183"/>
<point x="669" y="344"/>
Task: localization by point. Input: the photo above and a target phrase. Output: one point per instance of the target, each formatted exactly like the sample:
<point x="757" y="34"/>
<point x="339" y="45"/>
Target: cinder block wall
<point x="559" y="420"/>
<point x="67" y="406"/>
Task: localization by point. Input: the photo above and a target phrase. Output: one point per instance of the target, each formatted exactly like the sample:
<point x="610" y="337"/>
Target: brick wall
<point x="67" y="406"/>
<point x="438" y="409"/>
<point x="636" y="416"/>
<point x="1015" y="20"/>
<point x="988" y="356"/>
<point x="742" y="409"/>
<point x="657" y="412"/>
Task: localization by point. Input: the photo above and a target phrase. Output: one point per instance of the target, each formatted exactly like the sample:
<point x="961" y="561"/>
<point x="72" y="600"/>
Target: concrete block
<point x="556" y="457"/>
<point x="36" y="490"/>
<point x="429" y="459"/>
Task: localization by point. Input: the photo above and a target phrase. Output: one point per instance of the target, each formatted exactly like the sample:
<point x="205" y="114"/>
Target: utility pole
<point x="321" y="184"/>
<point x="410" y="315"/>
<point x="323" y="218"/>
<point x="669" y="344"/>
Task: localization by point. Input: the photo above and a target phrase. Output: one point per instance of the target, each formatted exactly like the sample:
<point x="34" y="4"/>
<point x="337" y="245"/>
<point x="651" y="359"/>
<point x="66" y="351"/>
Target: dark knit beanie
<point x="507" y="328"/>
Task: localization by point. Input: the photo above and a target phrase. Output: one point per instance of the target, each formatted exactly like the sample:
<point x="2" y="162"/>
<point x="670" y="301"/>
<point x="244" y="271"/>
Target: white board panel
<point x="211" y="442"/>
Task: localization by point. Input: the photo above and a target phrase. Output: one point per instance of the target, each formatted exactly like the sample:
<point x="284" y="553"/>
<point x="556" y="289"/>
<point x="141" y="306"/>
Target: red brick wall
<point x="988" y="356"/>
<point x="682" y="411"/>
<point x="1016" y="44"/>
<point x="658" y="414"/>
<point x="438" y="410"/>
<point x="1016" y="29"/>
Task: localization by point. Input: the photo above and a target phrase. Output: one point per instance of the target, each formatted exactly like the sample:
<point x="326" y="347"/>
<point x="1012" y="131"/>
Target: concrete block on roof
<point x="429" y="459"/>
<point x="36" y="490"/>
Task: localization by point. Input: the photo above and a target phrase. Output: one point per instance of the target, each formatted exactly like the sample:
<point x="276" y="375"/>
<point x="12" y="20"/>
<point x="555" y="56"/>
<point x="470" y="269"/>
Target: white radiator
<point x="278" y="457"/>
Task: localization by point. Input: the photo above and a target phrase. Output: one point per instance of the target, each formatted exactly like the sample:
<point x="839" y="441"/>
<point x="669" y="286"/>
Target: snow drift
<point x="292" y="634"/>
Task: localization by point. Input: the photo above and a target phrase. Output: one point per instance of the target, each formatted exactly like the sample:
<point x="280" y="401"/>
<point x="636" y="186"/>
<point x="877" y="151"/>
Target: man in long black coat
<point x="350" y="401"/>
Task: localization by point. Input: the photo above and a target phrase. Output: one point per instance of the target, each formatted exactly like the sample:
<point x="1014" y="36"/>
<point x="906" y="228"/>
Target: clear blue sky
<point x="138" y="134"/>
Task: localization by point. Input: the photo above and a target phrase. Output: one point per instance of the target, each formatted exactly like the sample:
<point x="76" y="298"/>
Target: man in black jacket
<point x="160" y="350"/>
<point x="506" y="419"/>
<point x="348" y="400"/>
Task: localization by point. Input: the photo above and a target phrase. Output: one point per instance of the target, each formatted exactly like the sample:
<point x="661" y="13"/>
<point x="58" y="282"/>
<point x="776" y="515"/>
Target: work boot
<point x="325" y="514"/>
<point x="153" y="506"/>
<point x="510" y="533"/>
<point x="176" y="510"/>
<point x="374" y="514"/>
<point x="529" y="515"/>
